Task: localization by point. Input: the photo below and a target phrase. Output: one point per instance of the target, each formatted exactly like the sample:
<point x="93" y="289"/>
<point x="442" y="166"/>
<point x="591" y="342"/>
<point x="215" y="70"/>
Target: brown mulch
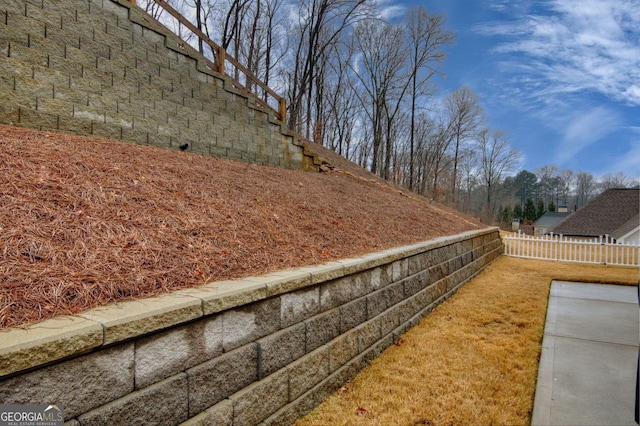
<point x="86" y="221"/>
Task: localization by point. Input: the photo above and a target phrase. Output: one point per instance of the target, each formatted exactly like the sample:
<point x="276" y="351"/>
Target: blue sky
<point x="561" y="77"/>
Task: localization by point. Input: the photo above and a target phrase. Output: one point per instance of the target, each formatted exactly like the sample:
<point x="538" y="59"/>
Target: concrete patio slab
<point x="589" y="357"/>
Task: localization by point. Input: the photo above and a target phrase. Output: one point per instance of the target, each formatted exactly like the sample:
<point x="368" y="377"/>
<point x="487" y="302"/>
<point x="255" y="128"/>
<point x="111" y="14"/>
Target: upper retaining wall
<point x="105" y="68"/>
<point x="262" y="349"/>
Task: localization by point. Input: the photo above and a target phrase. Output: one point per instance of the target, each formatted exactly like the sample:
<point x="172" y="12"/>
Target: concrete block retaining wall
<point x="105" y="68"/>
<point x="261" y="350"/>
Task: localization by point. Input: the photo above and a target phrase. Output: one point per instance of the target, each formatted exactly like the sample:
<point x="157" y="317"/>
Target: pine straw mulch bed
<point x="86" y="221"/>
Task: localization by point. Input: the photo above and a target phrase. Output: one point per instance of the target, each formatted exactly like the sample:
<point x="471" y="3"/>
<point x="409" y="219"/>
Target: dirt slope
<point x="85" y="221"/>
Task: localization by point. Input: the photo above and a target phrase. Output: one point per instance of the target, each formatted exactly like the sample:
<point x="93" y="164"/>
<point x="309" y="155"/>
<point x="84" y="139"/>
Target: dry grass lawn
<point x="473" y="360"/>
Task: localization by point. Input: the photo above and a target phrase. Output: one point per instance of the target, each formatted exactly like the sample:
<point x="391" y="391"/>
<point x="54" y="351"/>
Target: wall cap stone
<point x="125" y="320"/>
<point x="46" y="341"/>
<point x="284" y="281"/>
<point x="22" y="348"/>
<point x="222" y="295"/>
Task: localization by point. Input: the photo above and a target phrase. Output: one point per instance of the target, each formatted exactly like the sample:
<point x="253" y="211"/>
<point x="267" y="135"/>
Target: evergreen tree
<point x="541" y="209"/>
<point x="505" y="215"/>
<point x="517" y="211"/>
<point x="525" y="184"/>
<point x="530" y="213"/>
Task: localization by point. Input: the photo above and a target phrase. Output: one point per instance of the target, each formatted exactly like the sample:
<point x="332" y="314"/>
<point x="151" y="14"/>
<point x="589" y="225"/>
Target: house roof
<point x="605" y="214"/>
<point x="550" y="218"/>
<point x="627" y="227"/>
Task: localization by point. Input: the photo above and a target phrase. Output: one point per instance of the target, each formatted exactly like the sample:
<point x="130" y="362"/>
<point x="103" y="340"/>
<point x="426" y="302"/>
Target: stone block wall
<point x="261" y="350"/>
<point x="105" y="68"/>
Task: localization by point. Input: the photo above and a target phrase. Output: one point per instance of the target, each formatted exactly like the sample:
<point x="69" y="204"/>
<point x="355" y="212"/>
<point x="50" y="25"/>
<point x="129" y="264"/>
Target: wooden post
<point x="222" y="54"/>
<point x="132" y="1"/>
<point x="282" y="109"/>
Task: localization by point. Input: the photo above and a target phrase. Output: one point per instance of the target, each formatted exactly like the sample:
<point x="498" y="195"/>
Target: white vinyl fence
<point x="564" y="249"/>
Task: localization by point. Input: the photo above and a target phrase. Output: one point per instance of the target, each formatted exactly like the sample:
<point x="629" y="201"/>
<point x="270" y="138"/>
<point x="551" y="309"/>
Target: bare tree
<point x="395" y="62"/>
<point x="158" y="13"/>
<point x="272" y="37"/>
<point x="153" y="8"/>
<point x="567" y="178"/>
<point x="378" y="71"/>
<point x="426" y="38"/>
<point x="498" y="159"/>
<point x="320" y="23"/>
<point x="239" y="34"/>
<point x="440" y="161"/>
<point x="425" y="129"/>
<point x="465" y="115"/>
<point x="200" y="23"/>
<point x="618" y="180"/>
<point x="467" y="178"/>
<point x="585" y="188"/>
<point x="340" y="110"/>
<point x="547" y="182"/>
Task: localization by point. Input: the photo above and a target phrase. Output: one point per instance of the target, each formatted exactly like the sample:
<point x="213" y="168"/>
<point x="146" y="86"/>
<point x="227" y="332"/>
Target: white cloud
<point x="581" y="129"/>
<point x="591" y="125"/>
<point x="629" y="162"/>
<point x="388" y="10"/>
<point x="576" y="46"/>
<point x="633" y="92"/>
<point x="509" y="6"/>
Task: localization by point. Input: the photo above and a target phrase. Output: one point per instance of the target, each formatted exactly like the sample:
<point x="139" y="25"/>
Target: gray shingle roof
<point x="603" y="215"/>
<point x="627" y="227"/>
<point x="550" y="218"/>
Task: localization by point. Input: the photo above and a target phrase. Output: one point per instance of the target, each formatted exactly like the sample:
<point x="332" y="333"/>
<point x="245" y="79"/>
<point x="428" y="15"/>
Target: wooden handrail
<point x="222" y="58"/>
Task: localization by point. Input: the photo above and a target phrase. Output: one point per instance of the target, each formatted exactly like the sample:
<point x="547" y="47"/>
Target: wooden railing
<point x="222" y="59"/>
<point x="602" y="250"/>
